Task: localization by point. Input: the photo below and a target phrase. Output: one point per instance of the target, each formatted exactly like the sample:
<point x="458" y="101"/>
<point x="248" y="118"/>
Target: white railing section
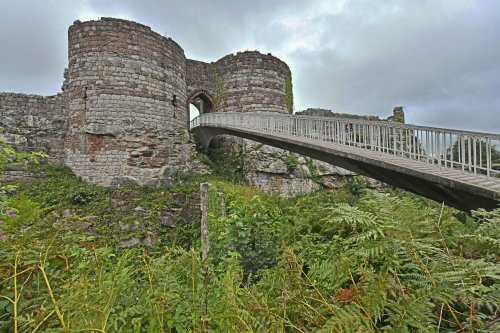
<point x="471" y="152"/>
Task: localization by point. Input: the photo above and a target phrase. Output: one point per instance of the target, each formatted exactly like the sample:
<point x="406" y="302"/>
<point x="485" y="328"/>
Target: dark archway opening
<point x="200" y="103"/>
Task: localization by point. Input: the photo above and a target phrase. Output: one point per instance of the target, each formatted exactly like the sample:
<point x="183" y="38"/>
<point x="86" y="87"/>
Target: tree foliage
<point x="9" y="155"/>
<point x="478" y="148"/>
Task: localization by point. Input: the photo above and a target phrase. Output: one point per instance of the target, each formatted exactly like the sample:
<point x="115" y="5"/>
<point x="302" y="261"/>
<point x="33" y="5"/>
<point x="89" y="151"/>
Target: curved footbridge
<point x="459" y="168"/>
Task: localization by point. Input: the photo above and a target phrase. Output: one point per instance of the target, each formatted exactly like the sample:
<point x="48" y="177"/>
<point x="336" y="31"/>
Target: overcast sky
<point x="439" y="59"/>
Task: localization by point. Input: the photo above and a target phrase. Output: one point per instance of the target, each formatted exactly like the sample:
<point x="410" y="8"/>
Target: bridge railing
<point x="473" y="152"/>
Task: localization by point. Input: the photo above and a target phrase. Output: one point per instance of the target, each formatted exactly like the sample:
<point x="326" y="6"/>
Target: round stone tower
<point x="244" y="82"/>
<point x="253" y="82"/>
<point x="127" y="96"/>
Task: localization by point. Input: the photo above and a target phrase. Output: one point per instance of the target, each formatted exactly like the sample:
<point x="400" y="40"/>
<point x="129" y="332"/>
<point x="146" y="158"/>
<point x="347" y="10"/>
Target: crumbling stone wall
<point x="35" y="123"/>
<point x="398" y="114"/>
<point x="317" y="112"/>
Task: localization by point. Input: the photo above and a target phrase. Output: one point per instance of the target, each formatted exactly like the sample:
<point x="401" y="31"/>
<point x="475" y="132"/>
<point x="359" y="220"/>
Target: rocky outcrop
<point x="289" y="174"/>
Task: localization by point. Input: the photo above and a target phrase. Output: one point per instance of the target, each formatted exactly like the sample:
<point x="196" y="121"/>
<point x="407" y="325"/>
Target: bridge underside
<point x="453" y="193"/>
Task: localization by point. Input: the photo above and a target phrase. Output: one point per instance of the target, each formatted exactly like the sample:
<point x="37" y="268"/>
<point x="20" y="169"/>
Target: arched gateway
<point x="199" y="102"/>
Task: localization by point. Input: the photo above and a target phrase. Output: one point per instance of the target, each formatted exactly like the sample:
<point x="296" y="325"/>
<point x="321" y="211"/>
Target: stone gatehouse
<point x="123" y="111"/>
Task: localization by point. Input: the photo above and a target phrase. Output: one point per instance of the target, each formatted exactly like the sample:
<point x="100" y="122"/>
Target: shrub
<point x="291" y="162"/>
<point x="356" y="185"/>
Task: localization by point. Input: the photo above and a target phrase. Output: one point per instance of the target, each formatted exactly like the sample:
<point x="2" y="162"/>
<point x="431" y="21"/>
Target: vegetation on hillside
<point x="349" y="260"/>
<point x="219" y="90"/>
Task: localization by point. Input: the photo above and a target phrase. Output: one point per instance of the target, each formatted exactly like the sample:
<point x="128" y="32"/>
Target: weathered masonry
<point x="123" y="111"/>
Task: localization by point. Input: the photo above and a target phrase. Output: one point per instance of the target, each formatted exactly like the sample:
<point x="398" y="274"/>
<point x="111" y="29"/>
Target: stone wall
<point x="199" y="78"/>
<point x="35" y="123"/>
<point x="398" y="114"/>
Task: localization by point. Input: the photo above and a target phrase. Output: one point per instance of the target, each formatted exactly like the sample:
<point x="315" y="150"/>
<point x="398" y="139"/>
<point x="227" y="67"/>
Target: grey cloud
<point x="439" y="59"/>
<point x="31" y="57"/>
<point x="206" y="30"/>
<point x="440" y="67"/>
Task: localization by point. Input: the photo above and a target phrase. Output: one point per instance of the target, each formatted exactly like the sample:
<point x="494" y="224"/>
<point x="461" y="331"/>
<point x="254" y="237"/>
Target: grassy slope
<point x="346" y="260"/>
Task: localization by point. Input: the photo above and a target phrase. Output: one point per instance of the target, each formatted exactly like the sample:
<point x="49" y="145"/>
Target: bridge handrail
<point x="365" y="121"/>
<point x="469" y="151"/>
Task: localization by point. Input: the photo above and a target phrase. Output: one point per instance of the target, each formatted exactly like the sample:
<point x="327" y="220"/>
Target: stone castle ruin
<point x="124" y="108"/>
<point x="123" y="113"/>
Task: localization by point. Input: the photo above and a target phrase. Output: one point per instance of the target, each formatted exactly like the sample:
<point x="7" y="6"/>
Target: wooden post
<point x="205" y="245"/>
<point x="222" y="204"/>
